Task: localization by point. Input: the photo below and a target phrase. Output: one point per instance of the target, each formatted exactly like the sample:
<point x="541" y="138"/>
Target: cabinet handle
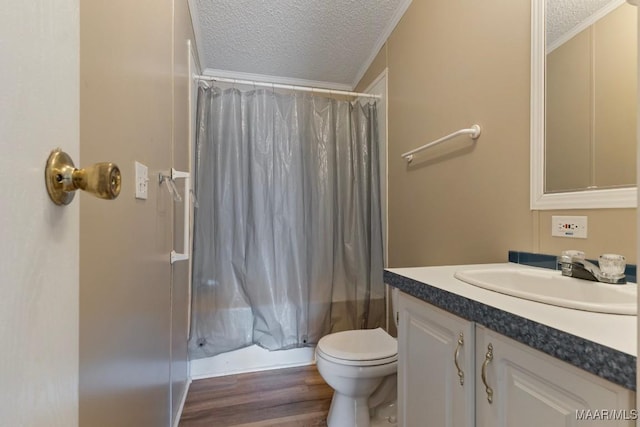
<point x="487" y="358"/>
<point x="455" y="358"/>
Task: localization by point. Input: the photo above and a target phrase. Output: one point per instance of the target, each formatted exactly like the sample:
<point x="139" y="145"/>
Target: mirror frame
<point x="587" y="199"/>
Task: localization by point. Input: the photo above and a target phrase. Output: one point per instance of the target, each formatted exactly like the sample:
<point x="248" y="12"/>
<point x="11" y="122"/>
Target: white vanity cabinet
<point x="530" y="388"/>
<point x="432" y="390"/>
<point x="527" y="387"/>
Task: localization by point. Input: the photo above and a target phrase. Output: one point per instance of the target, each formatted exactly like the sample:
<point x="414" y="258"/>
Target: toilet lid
<point x="359" y="345"/>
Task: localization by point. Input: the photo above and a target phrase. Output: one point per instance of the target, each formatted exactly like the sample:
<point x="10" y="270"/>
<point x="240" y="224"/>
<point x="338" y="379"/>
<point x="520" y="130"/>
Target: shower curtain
<point x="287" y="232"/>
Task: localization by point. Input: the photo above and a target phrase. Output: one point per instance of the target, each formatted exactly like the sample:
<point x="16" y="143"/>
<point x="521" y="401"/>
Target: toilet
<point x="361" y="367"/>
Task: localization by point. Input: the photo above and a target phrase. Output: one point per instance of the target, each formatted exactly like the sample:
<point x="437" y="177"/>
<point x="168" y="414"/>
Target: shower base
<point x="250" y="359"/>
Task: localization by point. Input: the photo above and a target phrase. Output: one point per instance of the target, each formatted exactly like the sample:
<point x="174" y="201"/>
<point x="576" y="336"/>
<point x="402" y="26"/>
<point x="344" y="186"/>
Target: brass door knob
<point x="103" y="180"/>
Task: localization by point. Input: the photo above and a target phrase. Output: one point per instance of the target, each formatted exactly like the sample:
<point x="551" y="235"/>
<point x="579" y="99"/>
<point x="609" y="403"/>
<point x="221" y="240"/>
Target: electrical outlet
<point x="569" y="226"/>
<point x="142" y="181"/>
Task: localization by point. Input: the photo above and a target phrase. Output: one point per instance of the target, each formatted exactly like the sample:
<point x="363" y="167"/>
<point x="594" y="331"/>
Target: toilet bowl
<point x="356" y="364"/>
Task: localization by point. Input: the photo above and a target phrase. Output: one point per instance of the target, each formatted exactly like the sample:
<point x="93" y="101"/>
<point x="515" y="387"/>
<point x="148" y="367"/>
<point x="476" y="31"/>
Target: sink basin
<point x="550" y="287"/>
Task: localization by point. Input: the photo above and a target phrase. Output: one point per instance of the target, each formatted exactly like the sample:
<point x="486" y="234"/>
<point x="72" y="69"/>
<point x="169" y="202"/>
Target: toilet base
<point x="347" y="411"/>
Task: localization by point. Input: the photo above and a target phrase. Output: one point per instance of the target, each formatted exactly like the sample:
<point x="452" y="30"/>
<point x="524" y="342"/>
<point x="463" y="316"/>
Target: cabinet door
<point x="430" y="390"/>
<point x="533" y="389"/>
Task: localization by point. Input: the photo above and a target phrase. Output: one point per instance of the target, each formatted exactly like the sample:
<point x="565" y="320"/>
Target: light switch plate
<point x="142" y="181"/>
<point x="569" y="226"/>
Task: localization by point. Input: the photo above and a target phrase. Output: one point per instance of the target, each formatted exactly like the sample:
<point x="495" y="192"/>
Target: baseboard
<point x="176" y="421"/>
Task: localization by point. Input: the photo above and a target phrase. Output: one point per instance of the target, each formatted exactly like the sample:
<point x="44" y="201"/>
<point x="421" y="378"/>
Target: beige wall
<point x="453" y="63"/>
<point x="133" y="107"/>
<point x="610" y="230"/>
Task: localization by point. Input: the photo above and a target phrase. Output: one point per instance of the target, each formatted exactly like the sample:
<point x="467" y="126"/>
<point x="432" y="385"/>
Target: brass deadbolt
<point x="103" y="180"/>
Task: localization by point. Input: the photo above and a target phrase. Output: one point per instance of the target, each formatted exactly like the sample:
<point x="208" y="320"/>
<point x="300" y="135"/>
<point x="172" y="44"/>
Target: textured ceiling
<point x="331" y="41"/>
<point x="565" y="15"/>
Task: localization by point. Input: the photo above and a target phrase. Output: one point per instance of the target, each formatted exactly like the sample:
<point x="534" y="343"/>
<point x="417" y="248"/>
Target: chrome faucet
<point x="578" y="267"/>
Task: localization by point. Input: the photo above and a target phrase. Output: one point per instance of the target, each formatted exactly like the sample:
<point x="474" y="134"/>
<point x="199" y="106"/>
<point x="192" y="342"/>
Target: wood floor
<point x="292" y="397"/>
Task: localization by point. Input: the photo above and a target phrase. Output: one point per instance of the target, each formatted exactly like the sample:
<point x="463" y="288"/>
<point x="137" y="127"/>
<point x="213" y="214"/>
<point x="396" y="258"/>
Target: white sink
<point x="550" y="287"/>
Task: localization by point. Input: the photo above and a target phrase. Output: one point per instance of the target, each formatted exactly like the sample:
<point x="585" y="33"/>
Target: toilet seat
<point x="363" y="347"/>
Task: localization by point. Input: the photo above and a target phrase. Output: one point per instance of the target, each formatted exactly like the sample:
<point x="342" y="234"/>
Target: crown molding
<point x="404" y="5"/>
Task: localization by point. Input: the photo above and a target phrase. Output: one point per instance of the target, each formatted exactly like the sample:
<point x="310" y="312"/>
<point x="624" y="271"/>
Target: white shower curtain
<point x="287" y="234"/>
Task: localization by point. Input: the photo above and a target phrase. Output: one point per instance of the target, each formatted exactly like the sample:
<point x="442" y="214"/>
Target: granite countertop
<point x="603" y="344"/>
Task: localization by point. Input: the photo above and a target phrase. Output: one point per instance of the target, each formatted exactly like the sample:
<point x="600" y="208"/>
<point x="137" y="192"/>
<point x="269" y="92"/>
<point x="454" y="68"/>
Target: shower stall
<point x="288" y="240"/>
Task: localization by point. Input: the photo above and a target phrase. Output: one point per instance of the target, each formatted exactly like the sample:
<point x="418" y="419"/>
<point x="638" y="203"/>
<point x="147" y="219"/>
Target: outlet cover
<point x="142" y="181"/>
<point x="569" y="226"/>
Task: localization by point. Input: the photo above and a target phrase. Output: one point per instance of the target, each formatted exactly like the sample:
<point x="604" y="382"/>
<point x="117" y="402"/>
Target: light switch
<point x="142" y="181"/>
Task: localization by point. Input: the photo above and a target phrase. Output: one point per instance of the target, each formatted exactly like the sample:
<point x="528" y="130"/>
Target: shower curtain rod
<point x="288" y="87"/>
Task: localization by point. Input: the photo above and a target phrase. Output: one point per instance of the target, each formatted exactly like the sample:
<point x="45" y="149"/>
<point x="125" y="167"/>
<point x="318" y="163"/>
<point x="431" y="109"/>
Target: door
<point x="39" y="111"/>
<point x="435" y="366"/>
<point x="529" y="388"/>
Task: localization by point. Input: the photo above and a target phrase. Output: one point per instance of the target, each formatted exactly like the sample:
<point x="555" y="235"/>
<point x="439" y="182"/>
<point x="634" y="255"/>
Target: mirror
<point x="583" y="126"/>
